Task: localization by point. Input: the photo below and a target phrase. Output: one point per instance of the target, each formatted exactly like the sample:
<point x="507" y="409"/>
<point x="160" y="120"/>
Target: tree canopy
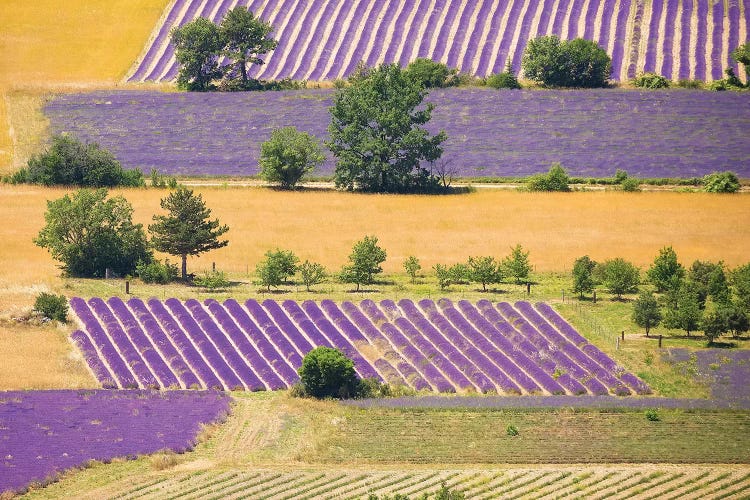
<point x="245" y="38"/>
<point x="364" y="262"/>
<point x="376" y="133"/>
<point x="276" y="267"/>
<point x="187" y="228"/>
<point x="646" y="312"/>
<point x="327" y="373"/>
<point x="666" y="272"/>
<point x="198" y="45"/>
<point x="89" y="234"/>
<point x="742" y="55"/>
<point x="289" y="155"/>
<point x="619" y="276"/>
<point x="583" y="275"/>
<point x="566" y="63"/>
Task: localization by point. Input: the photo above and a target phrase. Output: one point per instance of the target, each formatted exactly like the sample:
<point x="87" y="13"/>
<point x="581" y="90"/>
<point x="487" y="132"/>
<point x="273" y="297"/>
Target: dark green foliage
<point x="556" y="179"/>
<point x="156" y="272"/>
<point x="646" y="311"/>
<point x="714" y="323"/>
<point x="444" y="493"/>
<point x="683" y="308"/>
<point x="412" y="267"/>
<point x="517" y="265"/>
<point x="485" y="270"/>
<point x="364" y="262"/>
<point x="276" y="268"/>
<point x="650" y="81"/>
<point x="327" y="373"/>
<point x="583" y="275"/>
<point x="652" y="415"/>
<point x="504" y="80"/>
<point x="289" y="155"/>
<point x="311" y="273"/>
<point x="430" y="74"/>
<point x="631" y="185"/>
<point x="261" y="85"/>
<point x="620" y="175"/>
<point x="709" y="280"/>
<point x="376" y="133"/>
<point x="721" y="182"/>
<point x="89" y="234"/>
<point x="186" y="229"/>
<point x="738" y="320"/>
<point x="665" y="273"/>
<point x="567" y="63"/>
<point x="161" y="181"/>
<point x="690" y="84"/>
<point x="52" y="306"/>
<point x="511" y="430"/>
<point x="198" y="45"/>
<point x="740" y="280"/>
<point x="443" y="275"/>
<point x="742" y="55"/>
<point x="619" y="276"/>
<point x="70" y="162"/>
<point x="244" y="39"/>
<point x="212" y="280"/>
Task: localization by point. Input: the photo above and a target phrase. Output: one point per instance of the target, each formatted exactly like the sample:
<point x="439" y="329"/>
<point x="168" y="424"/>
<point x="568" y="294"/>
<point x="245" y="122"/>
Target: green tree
<point x="364" y="262"/>
<point x="443" y="275"/>
<point x="583" y="275"/>
<point x="646" y="311"/>
<point x="516" y="265"/>
<point x="312" y="273"/>
<point x="504" y="80"/>
<point x="665" y="272"/>
<point x="555" y="180"/>
<point x="376" y="133"/>
<point x="89" y="234"/>
<point x="738" y="320"/>
<point x="714" y="323"/>
<point x="683" y="309"/>
<point x="52" y="306"/>
<point x="429" y="74"/>
<point x="619" y="276"/>
<point x="186" y="229"/>
<point x="740" y="280"/>
<point x="710" y="281"/>
<point x="245" y="39"/>
<point x="70" y="162"/>
<point x="276" y="267"/>
<point x="567" y="63"/>
<point x="721" y="182"/>
<point x="289" y="155"/>
<point x="328" y="373"/>
<point x="198" y="45"/>
<point x="412" y="267"/>
<point x="742" y="55"/>
<point x="485" y="270"/>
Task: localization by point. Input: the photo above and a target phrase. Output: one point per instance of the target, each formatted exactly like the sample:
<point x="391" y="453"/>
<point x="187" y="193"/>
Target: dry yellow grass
<point x="77" y="41"/>
<point x="323" y="226"/>
<point x="6" y="144"/>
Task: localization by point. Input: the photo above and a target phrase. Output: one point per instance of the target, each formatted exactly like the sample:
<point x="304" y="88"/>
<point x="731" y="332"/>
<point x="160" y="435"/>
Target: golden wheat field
<point x="323" y="226"/>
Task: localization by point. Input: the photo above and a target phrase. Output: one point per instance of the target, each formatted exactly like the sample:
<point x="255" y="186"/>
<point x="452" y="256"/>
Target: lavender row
<point x="359" y="33"/>
<point x="672" y="133"/>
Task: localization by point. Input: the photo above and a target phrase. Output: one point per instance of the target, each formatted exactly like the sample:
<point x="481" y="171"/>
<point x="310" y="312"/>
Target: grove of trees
<point x="566" y="63"/>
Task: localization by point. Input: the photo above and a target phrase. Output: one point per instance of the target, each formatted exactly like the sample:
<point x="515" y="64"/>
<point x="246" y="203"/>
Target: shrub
<point x="650" y="81"/>
<point x="721" y="182"/>
<point x="430" y="74"/>
<point x="505" y="80"/>
<point x="328" y="373"/>
<point x="652" y="415"/>
<point x="412" y="267"/>
<point x="511" y="430"/>
<point x="690" y="84"/>
<point x="567" y="63"/>
<point x="213" y="280"/>
<point x="556" y="179"/>
<point x="52" y="306"/>
<point x="289" y="155"/>
<point x="631" y="184"/>
<point x="276" y="268"/>
<point x="156" y="272"/>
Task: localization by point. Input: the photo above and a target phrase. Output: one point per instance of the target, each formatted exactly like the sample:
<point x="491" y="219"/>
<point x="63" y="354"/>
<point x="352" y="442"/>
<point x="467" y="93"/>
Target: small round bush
<point x="52" y="306"/>
<point x="631" y="184"/>
<point x="505" y="80"/>
<point x="652" y="415"/>
<point x="721" y="182"/>
<point x="651" y="81"/>
<point x="156" y="272"/>
<point x="328" y="373"/>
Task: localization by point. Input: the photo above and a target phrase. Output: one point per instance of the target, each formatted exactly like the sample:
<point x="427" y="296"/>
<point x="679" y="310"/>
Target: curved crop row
<point x="325" y="39"/>
<point x="439" y="346"/>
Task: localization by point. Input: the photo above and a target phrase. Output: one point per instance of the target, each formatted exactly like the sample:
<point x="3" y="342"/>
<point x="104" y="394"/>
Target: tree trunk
<point x="243" y="70"/>
<point x="184" y="267"/>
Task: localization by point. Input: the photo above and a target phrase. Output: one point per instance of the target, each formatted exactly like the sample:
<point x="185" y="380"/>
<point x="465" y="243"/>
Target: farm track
<point x="374" y="31"/>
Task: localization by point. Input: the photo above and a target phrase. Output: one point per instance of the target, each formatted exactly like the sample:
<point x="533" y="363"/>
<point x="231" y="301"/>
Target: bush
<point x="289" y="155"/>
<point x="511" y="430"/>
<point x="650" y="81"/>
<point x="156" y="272"/>
<point x="652" y="415"/>
<point x="505" y="80"/>
<point x="567" y="63"/>
<point x="214" y="280"/>
<point x="690" y="84"/>
<point x="52" y="306"/>
<point x="556" y="179"/>
<point x="70" y="162"/>
<point x="721" y="182"/>
<point x="327" y="373"/>
<point x="431" y="74"/>
<point x="631" y="184"/>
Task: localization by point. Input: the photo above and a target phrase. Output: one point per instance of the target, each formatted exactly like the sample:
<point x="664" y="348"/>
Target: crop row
<point x="45" y="432"/>
<point x="443" y="347"/>
<point x="325" y="39"/>
<point x="591" y="132"/>
<point x="577" y="482"/>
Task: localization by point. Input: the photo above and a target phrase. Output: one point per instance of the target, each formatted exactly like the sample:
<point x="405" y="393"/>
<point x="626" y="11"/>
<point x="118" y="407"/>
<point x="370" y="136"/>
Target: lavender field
<point x="490" y="133"/>
<point x="438" y="346"/>
<point x="726" y="371"/>
<point x="324" y="39"/>
<point x="43" y="433"/>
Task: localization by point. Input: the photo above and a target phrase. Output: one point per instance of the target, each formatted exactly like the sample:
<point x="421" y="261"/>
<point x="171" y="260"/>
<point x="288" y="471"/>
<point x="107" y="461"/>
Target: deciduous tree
<point x="583" y="275"/>
<point x="619" y="276"/>
<point x="665" y="272"/>
<point x="485" y="270"/>
<point x="683" y="309"/>
<point x="187" y="228"/>
<point x="364" y="262"/>
<point x="311" y="273"/>
<point x="276" y="267"/>
<point x="646" y="311"/>
<point x="327" y="373"/>
<point x="566" y="63"/>
<point x="245" y="39"/>
<point x="517" y="265"/>
<point x="289" y="155"/>
<point x="377" y="133"/>
<point x="198" y="45"/>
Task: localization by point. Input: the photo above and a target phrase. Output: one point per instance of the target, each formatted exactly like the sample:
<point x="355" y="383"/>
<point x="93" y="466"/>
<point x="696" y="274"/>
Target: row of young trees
<point x="706" y="296"/>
